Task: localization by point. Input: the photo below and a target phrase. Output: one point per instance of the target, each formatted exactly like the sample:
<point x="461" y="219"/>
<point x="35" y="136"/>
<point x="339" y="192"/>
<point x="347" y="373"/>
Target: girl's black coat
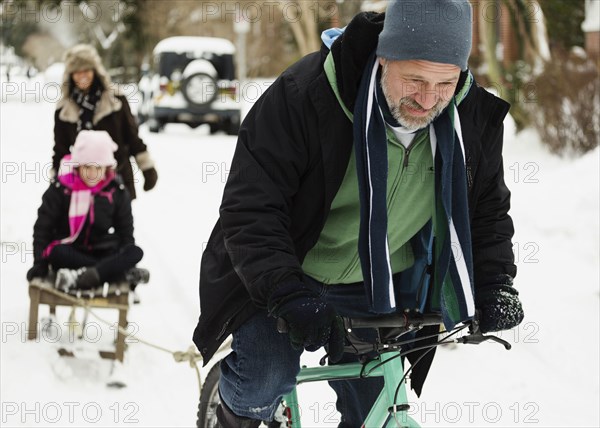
<point x="292" y="152"/>
<point x="112" y="227"/>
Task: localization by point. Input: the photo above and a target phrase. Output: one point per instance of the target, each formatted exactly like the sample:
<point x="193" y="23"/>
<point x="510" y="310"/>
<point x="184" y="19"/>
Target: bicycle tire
<point x="209" y="400"/>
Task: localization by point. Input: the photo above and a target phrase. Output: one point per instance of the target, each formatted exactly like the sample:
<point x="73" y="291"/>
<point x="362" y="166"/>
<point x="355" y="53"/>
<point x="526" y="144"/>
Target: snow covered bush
<point x="565" y="106"/>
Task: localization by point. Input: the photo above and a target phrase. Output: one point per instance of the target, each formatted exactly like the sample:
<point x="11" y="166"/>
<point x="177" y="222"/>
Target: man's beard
<point x="412" y="123"/>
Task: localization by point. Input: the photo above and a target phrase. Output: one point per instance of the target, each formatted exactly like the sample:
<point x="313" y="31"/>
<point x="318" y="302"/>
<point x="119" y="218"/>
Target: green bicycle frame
<point x="389" y="365"/>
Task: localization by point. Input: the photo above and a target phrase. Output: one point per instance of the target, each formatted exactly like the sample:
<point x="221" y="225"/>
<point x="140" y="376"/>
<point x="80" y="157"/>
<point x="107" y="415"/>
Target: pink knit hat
<point x="94" y="147"/>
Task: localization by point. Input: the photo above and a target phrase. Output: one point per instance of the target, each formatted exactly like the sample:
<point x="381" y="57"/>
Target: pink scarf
<point x="82" y="201"/>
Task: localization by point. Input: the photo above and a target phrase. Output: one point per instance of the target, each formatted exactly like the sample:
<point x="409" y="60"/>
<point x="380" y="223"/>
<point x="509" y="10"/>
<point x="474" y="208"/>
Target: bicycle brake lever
<point x="478" y="337"/>
<point x="503" y="342"/>
<point x="323" y="361"/>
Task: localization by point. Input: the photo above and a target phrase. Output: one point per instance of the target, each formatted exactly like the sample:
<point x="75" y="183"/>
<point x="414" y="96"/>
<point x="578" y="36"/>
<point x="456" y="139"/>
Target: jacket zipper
<point x="404" y="166"/>
<point x="224" y="328"/>
<point x="226" y="324"/>
<point x="407" y="150"/>
<point x="469" y="170"/>
<point x="406" y="154"/>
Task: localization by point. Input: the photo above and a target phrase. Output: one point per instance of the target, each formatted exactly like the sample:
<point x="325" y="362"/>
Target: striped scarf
<point x="453" y="263"/>
<point x="81" y="203"/>
<point x="87" y="101"/>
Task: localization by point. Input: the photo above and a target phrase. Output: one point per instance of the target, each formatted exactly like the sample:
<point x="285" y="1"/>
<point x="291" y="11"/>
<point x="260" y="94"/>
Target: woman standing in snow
<point x="90" y="101"/>
<point x="84" y="227"/>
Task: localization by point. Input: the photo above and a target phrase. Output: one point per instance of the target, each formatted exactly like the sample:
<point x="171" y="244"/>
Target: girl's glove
<point x="38" y="270"/>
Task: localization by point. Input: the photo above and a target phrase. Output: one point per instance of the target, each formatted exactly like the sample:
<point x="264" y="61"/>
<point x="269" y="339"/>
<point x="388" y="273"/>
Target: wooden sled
<point x="42" y="291"/>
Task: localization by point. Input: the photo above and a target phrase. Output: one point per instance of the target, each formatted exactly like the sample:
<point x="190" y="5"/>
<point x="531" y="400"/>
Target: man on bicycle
<point x="367" y="180"/>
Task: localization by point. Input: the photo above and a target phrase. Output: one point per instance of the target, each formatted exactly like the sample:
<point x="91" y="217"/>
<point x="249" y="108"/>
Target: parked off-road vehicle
<point x="191" y="80"/>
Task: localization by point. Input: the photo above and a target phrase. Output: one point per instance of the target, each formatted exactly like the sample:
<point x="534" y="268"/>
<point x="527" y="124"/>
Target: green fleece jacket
<point x="410" y="203"/>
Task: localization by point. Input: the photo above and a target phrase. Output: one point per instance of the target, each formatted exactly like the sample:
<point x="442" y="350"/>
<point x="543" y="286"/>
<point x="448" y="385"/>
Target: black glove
<point x="311" y="322"/>
<point x="150" y="178"/>
<point x="39" y="270"/>
<point x="499" y="306"/>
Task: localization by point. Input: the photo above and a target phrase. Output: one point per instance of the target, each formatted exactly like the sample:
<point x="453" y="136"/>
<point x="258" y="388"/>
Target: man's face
<point x="418" y="91"/>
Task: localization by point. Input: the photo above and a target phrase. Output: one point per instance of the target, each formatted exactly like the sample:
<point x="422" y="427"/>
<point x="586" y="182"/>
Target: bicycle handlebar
<point x="403" y="320"/>
<point x="415" y="320"/>
<point x="409" y="321"/>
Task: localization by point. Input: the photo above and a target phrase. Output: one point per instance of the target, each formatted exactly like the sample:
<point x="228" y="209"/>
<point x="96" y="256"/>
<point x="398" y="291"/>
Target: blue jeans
<point x="263" y="366"/>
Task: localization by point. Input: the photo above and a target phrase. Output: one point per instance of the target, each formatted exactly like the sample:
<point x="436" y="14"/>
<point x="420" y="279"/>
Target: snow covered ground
<point x="549" y="378"/>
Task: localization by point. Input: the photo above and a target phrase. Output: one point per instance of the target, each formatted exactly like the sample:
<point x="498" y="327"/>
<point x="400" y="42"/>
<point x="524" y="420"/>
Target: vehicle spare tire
<point x="199" y="89"/>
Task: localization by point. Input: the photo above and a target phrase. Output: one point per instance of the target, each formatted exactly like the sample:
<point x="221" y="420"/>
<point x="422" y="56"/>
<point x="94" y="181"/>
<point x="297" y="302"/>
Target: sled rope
<point x="190" y="355"/>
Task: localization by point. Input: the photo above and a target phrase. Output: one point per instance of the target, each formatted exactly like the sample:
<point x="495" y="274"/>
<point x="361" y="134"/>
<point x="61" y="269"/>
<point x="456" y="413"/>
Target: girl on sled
<point x="84" y="229"/>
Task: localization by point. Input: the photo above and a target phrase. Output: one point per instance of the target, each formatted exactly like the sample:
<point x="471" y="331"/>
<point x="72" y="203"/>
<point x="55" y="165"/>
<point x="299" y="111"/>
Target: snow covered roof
<point x="198" y="45"/>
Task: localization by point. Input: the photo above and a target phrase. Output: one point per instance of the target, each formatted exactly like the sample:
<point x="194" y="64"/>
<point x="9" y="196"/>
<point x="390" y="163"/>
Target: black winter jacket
<point x="292" y="152"/>
<point x="113" y="222"/>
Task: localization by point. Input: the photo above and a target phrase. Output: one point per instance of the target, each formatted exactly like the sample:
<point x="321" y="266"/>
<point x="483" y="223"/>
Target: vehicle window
<point x="224" y="66"/>
<point x="166" y="63"/>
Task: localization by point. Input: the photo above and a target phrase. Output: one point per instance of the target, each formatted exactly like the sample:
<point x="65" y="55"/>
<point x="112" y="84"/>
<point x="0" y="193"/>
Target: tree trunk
<point x="490" y="10"/>
<point x="303" y="18"/>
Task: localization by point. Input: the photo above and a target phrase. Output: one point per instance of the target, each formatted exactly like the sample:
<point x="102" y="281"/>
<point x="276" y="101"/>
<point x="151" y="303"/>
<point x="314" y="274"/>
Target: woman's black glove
<point x="150" y="178"/>
<point x="311" y="322"/>
<point x="499" y="306"/>
<point x="146" y="165"/>
<point x="39" y="270"/>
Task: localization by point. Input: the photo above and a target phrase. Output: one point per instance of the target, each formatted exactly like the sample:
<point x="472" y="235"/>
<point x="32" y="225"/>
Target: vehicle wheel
<point x="141" y="118"/>
<point x="199" y="89"/>
<point x="214" y="128"/>
<point x="209" y="399"/>
<point x="233" y="127"/>
<point x="155" y="126"/>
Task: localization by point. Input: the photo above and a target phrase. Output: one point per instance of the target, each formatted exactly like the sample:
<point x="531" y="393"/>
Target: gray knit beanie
<point x="432" y="30"/>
